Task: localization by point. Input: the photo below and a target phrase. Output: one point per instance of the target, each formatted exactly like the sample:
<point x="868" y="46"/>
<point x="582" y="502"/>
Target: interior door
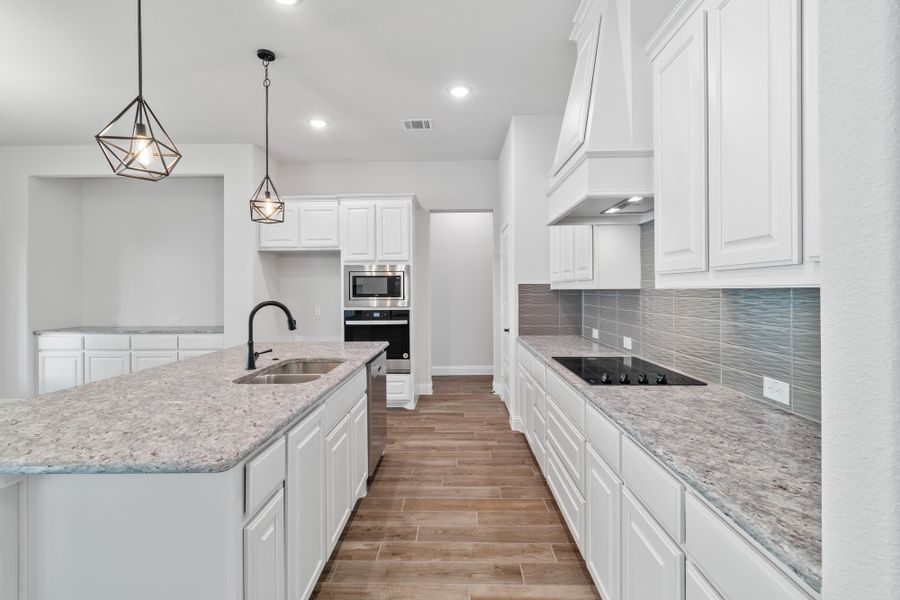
<point x="505" y="337"/>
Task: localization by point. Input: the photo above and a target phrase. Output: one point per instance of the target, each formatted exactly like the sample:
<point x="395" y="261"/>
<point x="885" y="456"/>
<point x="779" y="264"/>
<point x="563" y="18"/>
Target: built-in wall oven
<point x="391" y="326"/>
<point x="376" y="286"/>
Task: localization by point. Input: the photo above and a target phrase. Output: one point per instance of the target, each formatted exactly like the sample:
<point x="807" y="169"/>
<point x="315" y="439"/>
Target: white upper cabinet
<point x="574" y="125"/>
<point x="554" y="254"/>
<point x="319" y="226"/>
<point x="583" y="256"/>
<point x="754" y="133"/>
<point x="357" y="230"/>
<point x="393" y="230"/>
<point x="567" y="253"/>
<point x="284" y="235"/>
<point x="679" y="85"/>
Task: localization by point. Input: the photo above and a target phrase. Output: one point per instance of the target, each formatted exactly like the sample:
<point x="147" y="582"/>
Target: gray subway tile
<point x="710" y="372"/>
<point x="662" y="356"/>
<point x="589" y="321"/>
<point x="807" y="403"/>
<point x="631" y="317"/>
<point x="807" y="345"/>
<point x="659" y="301"/>
<point x="697" y="293"/>
<point x="746" y="383"/>
<point x="807" y="374"/>
<point x="608" y="326"/>
<point x="698" y="308"/>
<point x="699" y="328"/>
<point x="768" y="339"/>
<point x="629" y="300"/>
<point x="660" y="339"/>
<point x="710" y="351"/>
<point x="761" y="307"/>
<point x="632" y="331"/>
<point x="776" y="366"/>
<point x="608" y="313"/>
<point x="659" y="321"/>
<point x="609" y="339"/>
<point x="606" y="298"/>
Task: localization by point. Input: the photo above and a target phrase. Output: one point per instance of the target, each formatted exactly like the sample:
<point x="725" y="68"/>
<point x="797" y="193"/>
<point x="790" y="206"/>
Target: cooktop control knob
<point x="642" y="379"/>
<point x="661" y="379"/>
<point x="624" y="379"/>
<point x="604" y="378"/>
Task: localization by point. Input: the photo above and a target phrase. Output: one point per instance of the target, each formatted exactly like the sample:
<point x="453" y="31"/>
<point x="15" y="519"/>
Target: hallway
<point x="458" y="511"/>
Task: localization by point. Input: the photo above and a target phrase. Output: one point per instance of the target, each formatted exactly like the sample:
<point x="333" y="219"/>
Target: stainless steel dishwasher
<point x="376" y="392"/>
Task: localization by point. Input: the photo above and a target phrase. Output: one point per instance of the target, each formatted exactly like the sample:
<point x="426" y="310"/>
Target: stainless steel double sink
<point x="292" y="371"/>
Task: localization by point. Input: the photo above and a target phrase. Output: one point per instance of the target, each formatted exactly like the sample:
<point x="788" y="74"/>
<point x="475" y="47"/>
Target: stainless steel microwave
<point x="376" y="286"/>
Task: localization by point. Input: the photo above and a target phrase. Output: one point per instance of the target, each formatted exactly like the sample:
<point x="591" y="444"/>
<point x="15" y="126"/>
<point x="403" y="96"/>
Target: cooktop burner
<point x="623" y="370"/>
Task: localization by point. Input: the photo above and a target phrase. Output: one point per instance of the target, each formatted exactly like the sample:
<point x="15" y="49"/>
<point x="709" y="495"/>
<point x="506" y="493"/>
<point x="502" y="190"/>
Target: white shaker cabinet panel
<point x="146" y="359"/>
<point x="754" y="133"/>
<point x="59" y="369"/>
<point x="282" y="235"/>
<point x="393" y="230"/>
<point x="554" y="254"/>
<point x="101" y="364"/>
<point x="652" y="564"/>
<point x="306" y="501"/>
<point x="679" y="85"/>
<point x="696" y="587"/>
<point x="264" y="565"/>
<point x="339" y="483"/>
<point x="583" y="261"/>
<point x="567" y="253"/>
<point x="359" y="424"/>
<point x="319" y="225"/>
<point x="602" y="529"/>
<point x="357" y="230"/>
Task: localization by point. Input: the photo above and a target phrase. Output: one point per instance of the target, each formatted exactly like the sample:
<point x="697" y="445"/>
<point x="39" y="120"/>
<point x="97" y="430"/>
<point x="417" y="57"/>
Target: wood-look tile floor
<point x="458" y="510"/>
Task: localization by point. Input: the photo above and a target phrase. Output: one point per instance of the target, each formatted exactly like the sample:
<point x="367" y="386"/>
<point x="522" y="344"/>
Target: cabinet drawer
<point x="567" y="442"/>
<point x="538" y="428"/>
<point x="399" y="389"/>
<point x="569" y="500"/>
<point x="147" y="359"/>
<point x="154" y="342"/>
<point x="737" y="569"/>
<point x="659" y="491"/>
<point x="59" y="342"/>
<point x="200" y="341"/>
<point x="604" y="436"/>
<point x="263" y="475"/>
<point x="538" y="371"/>
<point x="570" y="401"/>
<point x="539" y="399"/>
<point x="107" y="342"/>
<point x="342" y="400"/>
<point x="186" y="354"/>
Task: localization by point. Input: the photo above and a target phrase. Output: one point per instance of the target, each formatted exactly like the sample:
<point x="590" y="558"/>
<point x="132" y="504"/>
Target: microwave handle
<point x="385" y="322"/>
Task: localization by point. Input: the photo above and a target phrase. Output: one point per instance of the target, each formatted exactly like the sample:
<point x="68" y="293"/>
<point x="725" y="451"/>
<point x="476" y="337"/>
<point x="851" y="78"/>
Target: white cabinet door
<point x="526" y="400"/>
<point x="574" y="124"/>
<point x="264" y="552"/>
<point x="602" y="529"/>
<point x="59" y="369"/>
<point x="100" y="364"/>
<point x="652" y="565"/>
<point x="554" y="253"/>
<point x="583" y="261"/>
<point x="282" y="235"/>
<point x="339" y="483"/>
<point x="393" y="230"/>
<point x="567" y="253"/>
<point x="679" y="103"/>
<point x="357" y="230"/>
<point x="359" y="418"/>
<point x="319" y="225"/>
<point x="146" y="359"/>
<point x="306" y="534"/>
<point x="697" y="588"/>
<point x="754" y="133"/>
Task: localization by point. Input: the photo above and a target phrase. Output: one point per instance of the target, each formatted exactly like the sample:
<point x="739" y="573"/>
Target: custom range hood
<point x="603" y="168"/>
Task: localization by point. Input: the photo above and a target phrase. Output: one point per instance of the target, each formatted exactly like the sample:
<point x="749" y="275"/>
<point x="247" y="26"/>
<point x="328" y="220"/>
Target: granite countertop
<point x="132" y="330"/>
<point x="184" y="417"/>
<point x="759" y="465"/>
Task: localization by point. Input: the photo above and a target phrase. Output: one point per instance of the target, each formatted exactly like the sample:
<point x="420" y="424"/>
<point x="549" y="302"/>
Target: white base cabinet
<point x="264" y="552"/>
<point x="338" y="479"/>
<point x="102" y="364"/>
<point x="59" y="369"/>
<point x="603" y="527"/>
<point x="359" y="423"/>
<point x="652" y="564"/>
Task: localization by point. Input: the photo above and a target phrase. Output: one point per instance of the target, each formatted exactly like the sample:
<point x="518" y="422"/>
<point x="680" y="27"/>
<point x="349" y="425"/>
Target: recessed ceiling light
<point x="635" y="198"/>
<point x="318" y="123"/>
<point x="286" y="2"/>
<point x="460" y="91"/>
<point x="612" y="210"/>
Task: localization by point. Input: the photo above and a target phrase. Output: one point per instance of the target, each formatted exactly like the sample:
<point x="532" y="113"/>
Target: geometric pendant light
<point x="265" y="204"/>
<point x="135" y="143"/>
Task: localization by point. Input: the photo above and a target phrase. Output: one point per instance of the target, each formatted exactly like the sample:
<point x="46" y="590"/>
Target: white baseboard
<point x="497" y="386"/>
<point x="462" y="370"/>
<point x="516" y="424"/>
<point x="407" y="404"/>
<point x="425" y="389"/>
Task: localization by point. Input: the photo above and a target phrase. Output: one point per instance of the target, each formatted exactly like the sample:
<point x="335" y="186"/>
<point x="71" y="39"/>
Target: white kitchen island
<point x="178" y="483"/>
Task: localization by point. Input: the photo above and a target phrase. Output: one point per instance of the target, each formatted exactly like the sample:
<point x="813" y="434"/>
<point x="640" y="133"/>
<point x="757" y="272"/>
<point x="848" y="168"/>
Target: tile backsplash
<point x="733" y="337"/>
<point x="543" y="311"/>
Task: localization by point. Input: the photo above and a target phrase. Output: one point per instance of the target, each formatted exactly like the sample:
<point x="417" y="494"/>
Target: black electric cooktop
<point x="623" y="370"/>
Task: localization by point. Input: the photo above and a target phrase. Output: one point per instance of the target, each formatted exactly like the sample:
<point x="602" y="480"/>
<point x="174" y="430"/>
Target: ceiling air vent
<point x="417" y="124"/>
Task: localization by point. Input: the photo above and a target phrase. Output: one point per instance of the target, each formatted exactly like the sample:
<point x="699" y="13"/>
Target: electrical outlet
<point x="318" y="311"/>
<point x="176" y="320"/>
<point x="595" y="333"/>
<point x="778" y="391"/>
<point x="626" y="342"/>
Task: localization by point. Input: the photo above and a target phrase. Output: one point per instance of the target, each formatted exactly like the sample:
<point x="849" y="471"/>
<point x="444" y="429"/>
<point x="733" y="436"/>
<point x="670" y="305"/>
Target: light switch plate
<point x="595" y="334"/>
<point x="626" y="341"/>
<point x="778" y="391"/>
<point x="318" y="311"/>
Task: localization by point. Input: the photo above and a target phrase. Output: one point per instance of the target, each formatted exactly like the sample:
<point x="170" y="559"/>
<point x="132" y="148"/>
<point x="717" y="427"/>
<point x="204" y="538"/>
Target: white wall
<point x="860" y="183"/>
<point x="305" y="281"/>
<point x="153" y="253"/>
<point x="462" y="293"/>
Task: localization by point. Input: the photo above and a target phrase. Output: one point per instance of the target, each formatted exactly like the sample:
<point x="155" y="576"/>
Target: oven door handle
<point x="404" y="322"/>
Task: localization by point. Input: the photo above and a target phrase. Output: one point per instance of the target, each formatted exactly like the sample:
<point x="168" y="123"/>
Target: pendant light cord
<point x="140" y="55"/>
<point x="266" y="83"/>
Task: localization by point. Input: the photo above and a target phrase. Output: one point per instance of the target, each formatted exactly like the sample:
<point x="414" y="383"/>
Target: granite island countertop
<point x="184" y="417"/>
<point x="759" y="465"/>
<point x="132" y="330"/>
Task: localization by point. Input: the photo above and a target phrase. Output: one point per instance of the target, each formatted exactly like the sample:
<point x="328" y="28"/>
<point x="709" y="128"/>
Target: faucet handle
<point x="256" y="354"/>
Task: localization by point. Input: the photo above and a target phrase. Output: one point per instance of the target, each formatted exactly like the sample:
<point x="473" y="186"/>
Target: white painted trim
<point x="496" y="387"/>
<point x="462" y="370"/>
<point x="425" y="389"/>
<point x="515" y="424"/>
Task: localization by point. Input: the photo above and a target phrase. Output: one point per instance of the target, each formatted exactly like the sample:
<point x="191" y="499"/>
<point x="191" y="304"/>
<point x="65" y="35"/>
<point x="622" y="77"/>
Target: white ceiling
<point x="67" y="67"/>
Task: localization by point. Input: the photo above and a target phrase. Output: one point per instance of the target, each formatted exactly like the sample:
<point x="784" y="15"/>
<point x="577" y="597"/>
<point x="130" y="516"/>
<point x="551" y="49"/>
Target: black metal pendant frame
<point x="138" y="147"/>
<point x="266" y="206"/>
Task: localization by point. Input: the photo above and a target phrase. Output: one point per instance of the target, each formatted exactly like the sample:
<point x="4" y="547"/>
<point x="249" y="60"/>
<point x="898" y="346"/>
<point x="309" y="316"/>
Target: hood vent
<point x="605" y="152"/>
<point x="416" y="124"/>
